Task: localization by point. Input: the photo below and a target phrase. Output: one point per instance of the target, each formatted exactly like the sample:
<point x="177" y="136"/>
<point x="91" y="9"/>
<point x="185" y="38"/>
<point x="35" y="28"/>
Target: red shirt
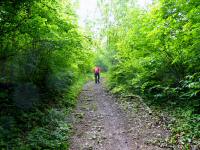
<point x="96" y="70"/>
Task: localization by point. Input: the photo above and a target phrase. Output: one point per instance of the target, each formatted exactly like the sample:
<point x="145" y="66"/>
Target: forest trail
<point x="102" y="123"/>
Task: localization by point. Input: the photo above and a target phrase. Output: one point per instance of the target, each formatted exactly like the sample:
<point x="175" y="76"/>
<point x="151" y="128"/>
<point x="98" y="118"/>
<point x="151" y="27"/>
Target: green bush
<point x="155" y="53"/>
<point x="43" y="55"/>
<point x="53" y="134"/>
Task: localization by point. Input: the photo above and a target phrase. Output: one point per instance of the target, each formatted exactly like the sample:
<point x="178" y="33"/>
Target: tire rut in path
<point x="100" y="123"/>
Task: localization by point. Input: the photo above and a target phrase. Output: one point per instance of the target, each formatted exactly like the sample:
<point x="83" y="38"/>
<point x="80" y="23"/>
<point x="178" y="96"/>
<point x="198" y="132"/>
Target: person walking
<point x="97" y="74"/>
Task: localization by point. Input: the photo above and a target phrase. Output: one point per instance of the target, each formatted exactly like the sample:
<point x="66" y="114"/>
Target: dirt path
<point x="102" y="123"/>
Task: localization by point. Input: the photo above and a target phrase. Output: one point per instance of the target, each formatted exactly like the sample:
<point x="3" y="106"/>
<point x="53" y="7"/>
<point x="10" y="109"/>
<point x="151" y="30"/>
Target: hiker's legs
<point x="95" y="76"/>
<point x="98" y="78"/>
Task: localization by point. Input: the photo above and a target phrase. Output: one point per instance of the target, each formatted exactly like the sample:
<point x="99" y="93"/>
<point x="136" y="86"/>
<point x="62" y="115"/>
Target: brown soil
<point x="103" y="122"/>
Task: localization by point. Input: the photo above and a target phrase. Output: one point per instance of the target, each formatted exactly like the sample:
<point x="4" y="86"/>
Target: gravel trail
<point x="103" y="122"/>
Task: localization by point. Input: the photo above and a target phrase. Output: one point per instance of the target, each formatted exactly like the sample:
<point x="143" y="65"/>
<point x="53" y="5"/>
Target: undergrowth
<point x="42" y="127"/>
<point x="180" y="105"/>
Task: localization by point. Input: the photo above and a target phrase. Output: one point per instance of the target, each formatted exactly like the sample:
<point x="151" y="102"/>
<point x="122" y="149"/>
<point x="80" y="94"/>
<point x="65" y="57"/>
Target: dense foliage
<point x="42" y="55"/>
<point x="156" y="53"/>
<point x="152" y="51"/>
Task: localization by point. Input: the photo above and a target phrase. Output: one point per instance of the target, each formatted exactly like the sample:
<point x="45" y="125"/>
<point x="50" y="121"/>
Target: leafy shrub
<point x="53" y="134"/>
<point x="155" y="53"/>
